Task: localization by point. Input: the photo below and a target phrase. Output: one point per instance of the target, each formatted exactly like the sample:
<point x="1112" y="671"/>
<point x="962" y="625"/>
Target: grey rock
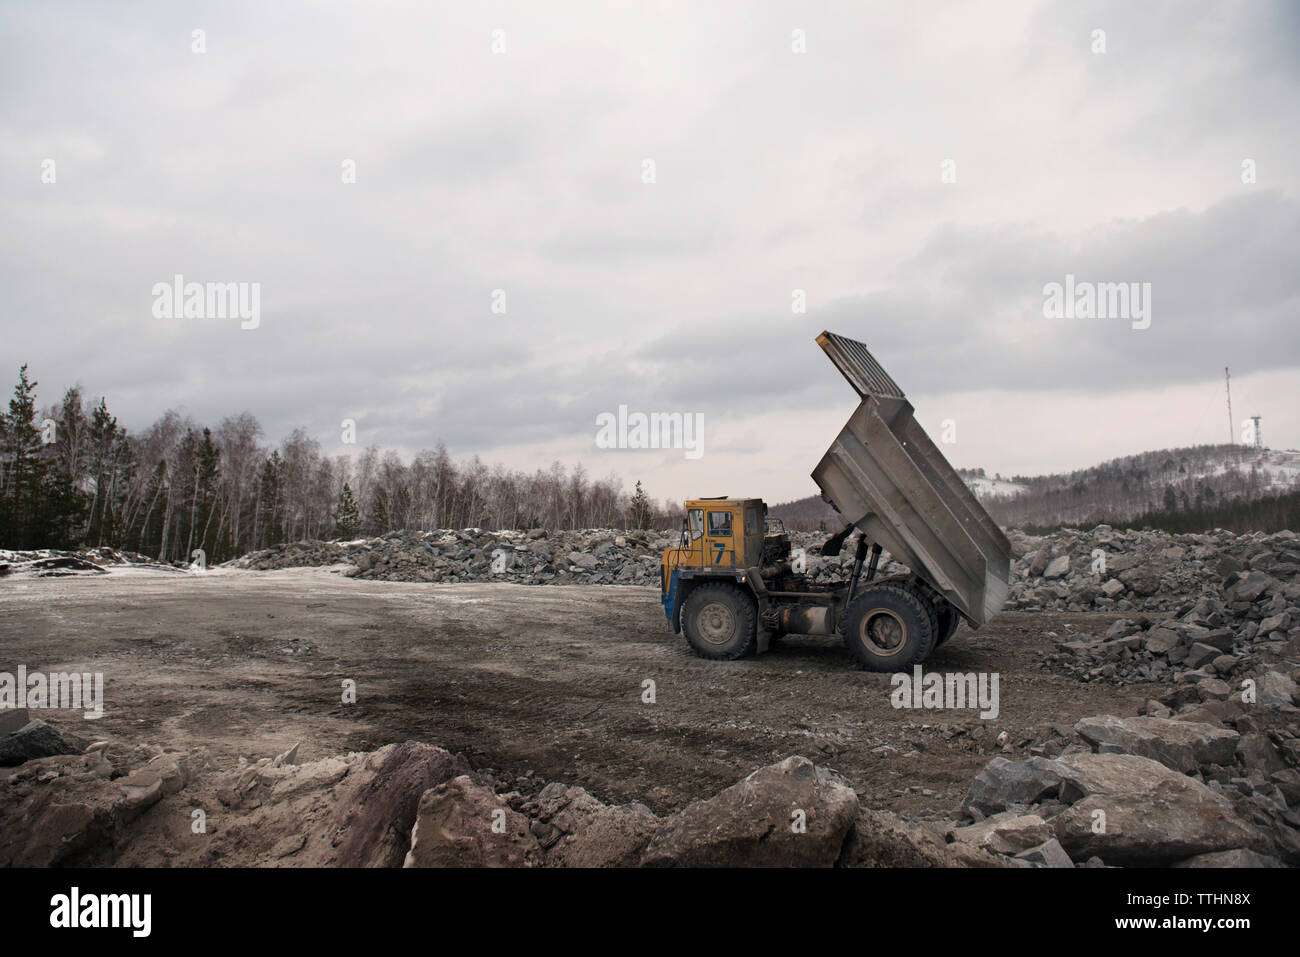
<point x="465" y="824"/>
<point x="1005" y="833"/>
<point x="1049" y="854"/>
<point x="12" y="719"/>
<point x="36" y="739"/>
<point x="1133" y="811"/>
<point x="1180" y="745"/>
<point x="1238" y="857"/>
<point x="1003" y="783"/>
<point x="1058" y="567"/>
<point x="787" y="814"/>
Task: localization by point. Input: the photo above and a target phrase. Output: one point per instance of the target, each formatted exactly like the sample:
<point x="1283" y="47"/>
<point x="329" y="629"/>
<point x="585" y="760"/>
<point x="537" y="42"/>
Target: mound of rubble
<point x="534" y="557"/>
<point x="1143" y="571"/>
<point x="1247" y="618"/>
<point x="414" y="805"/>
<point x="53" y="563"/>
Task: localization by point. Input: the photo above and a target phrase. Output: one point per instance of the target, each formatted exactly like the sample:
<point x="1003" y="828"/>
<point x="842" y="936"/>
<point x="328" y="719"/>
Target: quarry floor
<point x="535" y="683"/>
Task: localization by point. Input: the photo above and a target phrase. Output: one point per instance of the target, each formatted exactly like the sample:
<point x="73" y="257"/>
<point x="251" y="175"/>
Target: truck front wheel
<point x="887" y="628"/>
<point x="719" y="622"/>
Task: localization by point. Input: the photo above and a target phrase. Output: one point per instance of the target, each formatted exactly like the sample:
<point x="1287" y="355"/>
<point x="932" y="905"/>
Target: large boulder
<point x="577" y="830"/>
<point x="66" y="810"/>
<point x="787" y="814"/>
<point x="1131" y="810"/>
<point x="1276" y="690"/>
<point x="1141" y="580"/>
<point x="466" y="824"/>
<point x="1235" y="858"/>
<point x="12" y="719"/>
<point x="372" y="825"/>
<point x="350" y="810"/>
<point x="1180" y="745"/>
<point x="1059" y="567"/>
<point x="1002" y="784"/>
<point x="1006" y="833"/>
<point x="36" y="739"/>
<point x="882" y="839"/>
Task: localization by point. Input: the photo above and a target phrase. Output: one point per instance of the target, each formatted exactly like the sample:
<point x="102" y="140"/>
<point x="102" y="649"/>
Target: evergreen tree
<point x="643" y="512"/>
<point x="25" y="468"/>
<point x="103" y="439"/>
<point x="347" y="517"/>
<point x="269" y="507"/>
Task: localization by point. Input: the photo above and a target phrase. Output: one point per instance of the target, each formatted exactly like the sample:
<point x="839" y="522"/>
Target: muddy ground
<point x="535" y="683"/>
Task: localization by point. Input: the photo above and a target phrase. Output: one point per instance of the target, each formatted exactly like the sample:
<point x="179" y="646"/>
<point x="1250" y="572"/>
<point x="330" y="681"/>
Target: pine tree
<point x="643" y="512"/>
<point x="347" y="517"/>
<point x="25" y="468"/>
<point x="103" y="437"/>
<point x="270" y="511"/>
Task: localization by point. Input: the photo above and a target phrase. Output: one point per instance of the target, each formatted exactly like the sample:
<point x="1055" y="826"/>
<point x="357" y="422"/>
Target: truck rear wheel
<point x="888" y="628"/>
<point x="719" y="622"/>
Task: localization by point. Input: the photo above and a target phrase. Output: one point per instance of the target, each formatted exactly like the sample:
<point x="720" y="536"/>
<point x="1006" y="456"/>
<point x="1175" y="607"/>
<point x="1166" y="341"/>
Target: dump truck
<point x="734" y="586"/>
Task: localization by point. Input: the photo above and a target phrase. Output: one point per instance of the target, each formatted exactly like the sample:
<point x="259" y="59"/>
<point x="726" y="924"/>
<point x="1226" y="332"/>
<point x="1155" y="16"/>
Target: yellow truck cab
<point x="722" y="534"/>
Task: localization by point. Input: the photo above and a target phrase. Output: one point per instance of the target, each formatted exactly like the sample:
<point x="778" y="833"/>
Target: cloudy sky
<point x="800" y="146"/>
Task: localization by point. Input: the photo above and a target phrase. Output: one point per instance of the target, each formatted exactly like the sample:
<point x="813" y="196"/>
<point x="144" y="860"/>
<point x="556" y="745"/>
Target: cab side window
<point x="720" y="524"/>
<point x="696" y="516"/>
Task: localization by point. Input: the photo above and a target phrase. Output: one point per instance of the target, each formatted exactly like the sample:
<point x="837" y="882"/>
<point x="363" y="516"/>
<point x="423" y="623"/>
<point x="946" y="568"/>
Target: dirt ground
<point x="535" y="683"/>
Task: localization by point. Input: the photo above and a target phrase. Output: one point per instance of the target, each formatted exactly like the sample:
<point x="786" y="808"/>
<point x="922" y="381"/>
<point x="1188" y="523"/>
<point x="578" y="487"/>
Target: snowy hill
<point x="1118" y="490"/>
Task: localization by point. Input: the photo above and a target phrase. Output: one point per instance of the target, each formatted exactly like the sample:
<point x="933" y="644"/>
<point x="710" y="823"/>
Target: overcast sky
<point x="522" y="169"/>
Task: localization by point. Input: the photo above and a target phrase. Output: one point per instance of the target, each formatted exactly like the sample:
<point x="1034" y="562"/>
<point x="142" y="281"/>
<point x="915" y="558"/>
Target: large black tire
<point x="719" y="622"/>
<point x="948" y="623"/>
<point x="888" y="628"/>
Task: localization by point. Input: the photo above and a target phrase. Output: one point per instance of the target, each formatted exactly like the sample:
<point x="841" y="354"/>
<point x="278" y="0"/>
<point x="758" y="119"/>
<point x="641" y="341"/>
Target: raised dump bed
<point x="885" y="476"/>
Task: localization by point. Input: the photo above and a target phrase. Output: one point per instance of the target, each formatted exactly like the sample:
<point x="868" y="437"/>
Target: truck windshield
<point x="696" y="516"/>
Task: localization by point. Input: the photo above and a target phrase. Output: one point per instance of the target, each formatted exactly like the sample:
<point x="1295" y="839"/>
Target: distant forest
<point x="1187" y="489"/>
<point x="70" y="475"/>
<point x="1271" y="513"/>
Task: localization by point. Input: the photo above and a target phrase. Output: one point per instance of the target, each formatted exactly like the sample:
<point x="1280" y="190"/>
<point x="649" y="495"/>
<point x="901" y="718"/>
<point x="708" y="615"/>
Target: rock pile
<point x="419" y="806"/>
<point x="534" y="557"/>
<point x="1245" y="620"/>
<point x="1189" y="784"/>
<point x="1214" y="785"/>
<point x="1144" y="571"/>
<point x="51" y="562"/>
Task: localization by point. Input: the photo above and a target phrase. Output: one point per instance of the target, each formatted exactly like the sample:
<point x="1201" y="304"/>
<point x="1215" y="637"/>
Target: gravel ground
<point x="536" y="683"/>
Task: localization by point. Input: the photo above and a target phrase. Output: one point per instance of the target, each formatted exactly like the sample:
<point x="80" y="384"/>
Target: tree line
<point x="71" y="475"/>
<point x="1273" y="512"/>
<point x="1194" y="481"/>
